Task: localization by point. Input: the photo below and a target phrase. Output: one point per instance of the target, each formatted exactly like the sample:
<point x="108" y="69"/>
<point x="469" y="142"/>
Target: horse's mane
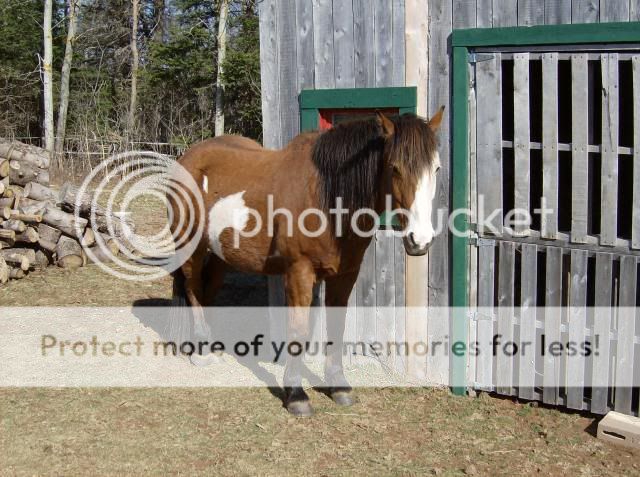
<point x="349" y="158"/>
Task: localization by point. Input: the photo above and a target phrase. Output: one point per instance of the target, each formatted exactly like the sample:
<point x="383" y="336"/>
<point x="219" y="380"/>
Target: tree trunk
<point x="131" y="121"/>
<point x="48" y="237"/>
<point x="222" y="51"/>
<point x="69" y="253"/>
<point x="64" y="78"/>
<point x="4" y="271"/>
<point x="21" y="173"/>
<point x="47" y="75"/>
<point x="36" y="191"/>
<point x="65" y="222"/>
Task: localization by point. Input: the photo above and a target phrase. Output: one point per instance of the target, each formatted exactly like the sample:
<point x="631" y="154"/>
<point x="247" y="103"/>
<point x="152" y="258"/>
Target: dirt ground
<point x="205" y="431"/>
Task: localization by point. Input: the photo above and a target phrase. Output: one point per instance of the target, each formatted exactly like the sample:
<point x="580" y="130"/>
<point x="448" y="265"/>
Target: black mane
<point x="349" y="158"/>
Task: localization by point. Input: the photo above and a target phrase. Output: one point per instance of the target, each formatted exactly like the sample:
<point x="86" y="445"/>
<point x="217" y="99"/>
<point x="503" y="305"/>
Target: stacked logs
<point x="39" y="226"/>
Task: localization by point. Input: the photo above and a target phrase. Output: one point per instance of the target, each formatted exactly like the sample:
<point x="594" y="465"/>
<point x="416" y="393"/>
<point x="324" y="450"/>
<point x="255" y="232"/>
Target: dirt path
<point x="247" y="432"/>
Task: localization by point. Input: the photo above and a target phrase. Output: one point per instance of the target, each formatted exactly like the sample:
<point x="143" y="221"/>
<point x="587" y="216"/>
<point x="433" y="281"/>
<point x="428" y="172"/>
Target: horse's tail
<point x="179" y="325"/>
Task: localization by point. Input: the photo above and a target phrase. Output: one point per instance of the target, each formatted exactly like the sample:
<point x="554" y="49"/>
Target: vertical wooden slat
<point x="530" y="12"/>
<point x="577" y="324"/>
<point x="579" y="147"/>
<point x="383" y="42"/>
<point x="440" y="15"/>
<point x="552" y="322"/>
<point x="528" y="290"/>
<point x="505" y="13"/>
<point x="343" y="44"/>
<point x="351" y="324"/>
<point x="634" y="16"/>
<point x="288" y="67"/>
<point x="635" y="242"/>
<point x="609" y="178"/>
<point x="366" y="298"/>
<point x="464" y="13"/>
<point x="557" y="12"/>
<point x="400" y="311"/>
<point x="521" y="132"/>
<point x="614" y="11"/>
<point x="506" y="279"/>
<point x="304" y="51"/>
<point x="585" y="11"/>
<point x="317" y="320"/>
<point x="269" y="74"/>
<point x="363" y="37"/>
<point x="601" y="330"/>
<point x="385" y="292"/>
<point x="323" y="43"/>
<point x="626" y="334"/>
<point x="398" y="43"/>
<point x="549" y="219"/>
<point x="484" y="13"/>
<point x="473" y="249"/>
<point x="486" y="277"/>
<point x="489" y="139"/>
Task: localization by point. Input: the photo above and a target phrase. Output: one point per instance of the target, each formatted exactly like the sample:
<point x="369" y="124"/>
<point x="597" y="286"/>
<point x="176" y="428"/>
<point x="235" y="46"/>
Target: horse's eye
<point x="437" y="169"/>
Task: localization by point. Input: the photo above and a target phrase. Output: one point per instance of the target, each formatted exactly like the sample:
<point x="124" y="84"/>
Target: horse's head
<point x="412" y="163"/>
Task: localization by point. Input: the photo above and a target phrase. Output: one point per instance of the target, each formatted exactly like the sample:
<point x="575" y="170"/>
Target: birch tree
<point x="47" y="77"/>
<point x="65" y="76"/>
<point x="222" y="50"/>
<point x="131" y="121"/>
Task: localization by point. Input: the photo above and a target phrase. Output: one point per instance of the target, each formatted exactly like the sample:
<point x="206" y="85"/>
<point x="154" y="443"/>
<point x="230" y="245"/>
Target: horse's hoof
<point x="202" y="360"/>
<point x="342" y="398"/>
<point x="300" y="409"/>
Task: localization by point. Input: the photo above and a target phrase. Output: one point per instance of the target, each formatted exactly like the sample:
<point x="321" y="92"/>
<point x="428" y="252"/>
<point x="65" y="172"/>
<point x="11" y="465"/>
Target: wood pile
<point x="38" y="225"/>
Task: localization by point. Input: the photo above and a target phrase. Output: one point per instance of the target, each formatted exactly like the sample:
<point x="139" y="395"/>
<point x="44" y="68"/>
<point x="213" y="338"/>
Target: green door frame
<point x="462" y="41"/>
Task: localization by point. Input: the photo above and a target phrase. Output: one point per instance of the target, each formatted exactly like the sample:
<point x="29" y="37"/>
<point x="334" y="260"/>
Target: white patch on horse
<point x="420" y="224"/>
<point x="229" y="211"/>
<point x="205" y="184"/>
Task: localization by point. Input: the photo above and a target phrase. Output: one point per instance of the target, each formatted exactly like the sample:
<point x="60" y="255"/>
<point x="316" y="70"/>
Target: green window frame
<point x="313" y="101"/>
<point x="462" y="41"/>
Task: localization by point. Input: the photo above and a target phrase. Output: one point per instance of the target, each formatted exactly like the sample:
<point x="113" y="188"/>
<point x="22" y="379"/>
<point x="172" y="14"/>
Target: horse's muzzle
<point x="414" y="249"/>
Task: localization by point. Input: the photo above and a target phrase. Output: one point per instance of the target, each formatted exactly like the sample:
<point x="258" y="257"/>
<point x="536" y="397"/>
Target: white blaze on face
<point x="229" y="211"/>
<point x="420" y="225"/>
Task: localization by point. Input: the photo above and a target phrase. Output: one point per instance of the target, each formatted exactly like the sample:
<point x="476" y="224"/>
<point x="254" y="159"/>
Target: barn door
<point x="555" y="133"/>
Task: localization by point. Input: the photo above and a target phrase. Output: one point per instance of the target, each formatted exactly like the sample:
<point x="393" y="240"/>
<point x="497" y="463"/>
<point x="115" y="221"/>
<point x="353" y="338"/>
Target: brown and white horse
<point x="360" y="163"/>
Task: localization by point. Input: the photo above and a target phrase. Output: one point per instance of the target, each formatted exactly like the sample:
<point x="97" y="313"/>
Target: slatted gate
<point x="559" y="129"/>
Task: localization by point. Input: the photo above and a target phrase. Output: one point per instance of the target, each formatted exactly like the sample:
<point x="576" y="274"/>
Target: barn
<point x="543" y="98"/>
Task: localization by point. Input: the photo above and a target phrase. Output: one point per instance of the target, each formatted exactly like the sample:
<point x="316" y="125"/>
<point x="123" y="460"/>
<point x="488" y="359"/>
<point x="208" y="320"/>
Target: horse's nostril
<point x="412" y="240"/>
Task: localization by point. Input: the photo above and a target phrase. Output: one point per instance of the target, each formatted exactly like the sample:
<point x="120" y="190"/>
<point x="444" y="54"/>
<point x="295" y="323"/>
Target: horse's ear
<point x="386" y="124"/>
<point x="436" y="121"/>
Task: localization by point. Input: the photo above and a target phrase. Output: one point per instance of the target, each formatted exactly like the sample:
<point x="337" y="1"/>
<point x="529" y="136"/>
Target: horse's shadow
<point x="239" y="290"/>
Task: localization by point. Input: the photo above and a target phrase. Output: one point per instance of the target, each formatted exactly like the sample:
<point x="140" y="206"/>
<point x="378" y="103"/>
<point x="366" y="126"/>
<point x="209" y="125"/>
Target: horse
<point x="362" y="164"/>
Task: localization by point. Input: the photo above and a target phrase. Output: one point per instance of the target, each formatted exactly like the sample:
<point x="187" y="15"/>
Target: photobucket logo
<point x="136" y="178"/>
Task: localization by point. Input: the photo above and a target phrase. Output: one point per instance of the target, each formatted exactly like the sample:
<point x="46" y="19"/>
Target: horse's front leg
<point x="299" y="281"/>
<point x="338" y="290"/>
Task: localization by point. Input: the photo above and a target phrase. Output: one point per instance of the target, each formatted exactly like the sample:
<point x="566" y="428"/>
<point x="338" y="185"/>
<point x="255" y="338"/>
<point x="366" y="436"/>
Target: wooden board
<point x="528" y="341"/>
<point x="304" y="50"/>
<point x="398" y="43"/>
<point x="635" y="241"/>
<point x="626" y="334"/>
<point x="614" y="11"/>
<point x="549" y="220"/>
<point x="323" y="44"/>
<point x="506" y="279"/>
<point x="383" y="41"/>
<point x="399" y="263"/>
<point x="486" y="280"/>
<point x="609" y="177"/>
<point x="464" y="13"/>
<point x="343" y="44"/>
<point x="366" y="298"/>
<point x="484" y="15"/>
<point x="557" y="12"/>
<point x="530" y="12"/>
<point x="577" y="324"/>
<point x="385" y="292"/>
<point x="505" y="13"/>
<point x="579" y="148"/>
<point x="521" y="139"/>
<point x="288" y="65"/>
<point x="269" y="73"/>
<point x="601" y="372"/>
<point x="552" y="322"/>
<point x="585" y="11"/>
<point x="363" y="37"/>
<point x="489" y="140"/>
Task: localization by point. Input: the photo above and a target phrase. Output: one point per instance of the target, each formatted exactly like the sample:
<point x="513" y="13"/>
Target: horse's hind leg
<point x="299" y="281"/>
<point x="337" y="294"/>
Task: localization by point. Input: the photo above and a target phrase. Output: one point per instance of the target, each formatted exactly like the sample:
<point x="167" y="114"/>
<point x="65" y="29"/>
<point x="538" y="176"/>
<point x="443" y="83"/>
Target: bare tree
<point x="65" y="76"/>
<point x="47" y="76"/>
<point x="131" y="121"/>
<point x="222" y="50"/>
